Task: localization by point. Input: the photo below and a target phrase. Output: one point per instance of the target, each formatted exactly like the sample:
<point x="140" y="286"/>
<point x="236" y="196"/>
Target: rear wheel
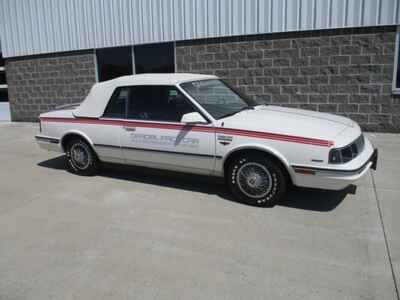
<point x="257" y="180"/>
<point x="81" y="159"/>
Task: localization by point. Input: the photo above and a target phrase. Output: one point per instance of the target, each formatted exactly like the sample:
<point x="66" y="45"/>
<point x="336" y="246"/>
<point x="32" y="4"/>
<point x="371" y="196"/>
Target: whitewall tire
<point x="257" y="180"/>
<point x="81" y="158"/>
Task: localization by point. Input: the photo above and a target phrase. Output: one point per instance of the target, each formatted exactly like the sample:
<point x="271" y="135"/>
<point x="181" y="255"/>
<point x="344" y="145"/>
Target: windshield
<point x="217" y="97"/>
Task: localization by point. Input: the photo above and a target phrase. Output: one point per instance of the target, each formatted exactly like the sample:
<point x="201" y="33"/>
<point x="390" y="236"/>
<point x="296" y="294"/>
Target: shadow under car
<point x="299" y="198"/>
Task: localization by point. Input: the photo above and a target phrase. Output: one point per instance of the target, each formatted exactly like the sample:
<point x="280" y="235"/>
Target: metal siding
<point x="321" y="14"/>
<point x="292" y="13"/>
<point x="336" y="13"/>
<point x="44" y="26"/>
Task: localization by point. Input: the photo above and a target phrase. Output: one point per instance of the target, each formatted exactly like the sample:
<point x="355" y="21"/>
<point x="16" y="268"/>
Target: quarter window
<point x="158" y="103"/>
<point x="116" y="107"/>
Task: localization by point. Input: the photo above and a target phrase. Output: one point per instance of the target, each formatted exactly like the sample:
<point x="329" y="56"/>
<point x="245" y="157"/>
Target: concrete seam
<point x="385" y="237"/>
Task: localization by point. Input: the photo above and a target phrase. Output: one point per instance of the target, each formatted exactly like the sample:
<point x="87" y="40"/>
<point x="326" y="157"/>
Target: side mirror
<point x="193" y="118"/>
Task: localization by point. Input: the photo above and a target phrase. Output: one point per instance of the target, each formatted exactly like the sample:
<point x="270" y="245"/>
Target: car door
<point x="154" y="135"/>
<point x="106" y="135"/>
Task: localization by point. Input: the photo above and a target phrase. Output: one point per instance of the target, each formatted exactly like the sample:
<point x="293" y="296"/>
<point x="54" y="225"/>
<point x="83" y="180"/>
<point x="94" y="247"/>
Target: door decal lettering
<point x="165" y="140"/>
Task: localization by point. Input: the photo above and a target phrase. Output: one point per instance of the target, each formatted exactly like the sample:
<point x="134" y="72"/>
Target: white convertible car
<point x="198" y="124"/>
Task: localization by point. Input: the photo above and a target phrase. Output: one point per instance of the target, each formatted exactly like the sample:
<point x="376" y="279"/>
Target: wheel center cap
<point x="79" y="155"/>
<point x="253" y="180"/>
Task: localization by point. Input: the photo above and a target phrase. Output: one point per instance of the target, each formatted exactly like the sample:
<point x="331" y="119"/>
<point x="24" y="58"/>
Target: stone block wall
<point x="39" y="84"/>
<point x="347" y="72"/>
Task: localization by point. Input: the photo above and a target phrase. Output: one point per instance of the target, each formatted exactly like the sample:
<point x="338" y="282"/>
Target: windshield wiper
<point x="238" y="111"/>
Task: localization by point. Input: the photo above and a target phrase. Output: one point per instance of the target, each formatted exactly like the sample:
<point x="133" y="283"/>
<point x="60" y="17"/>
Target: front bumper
<point x="334" y="179"/>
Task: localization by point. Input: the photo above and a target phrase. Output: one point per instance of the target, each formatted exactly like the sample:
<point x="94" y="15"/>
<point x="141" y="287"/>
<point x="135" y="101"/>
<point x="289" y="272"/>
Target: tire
<point x="257" y="180"/>
<point x="81" y="159"/>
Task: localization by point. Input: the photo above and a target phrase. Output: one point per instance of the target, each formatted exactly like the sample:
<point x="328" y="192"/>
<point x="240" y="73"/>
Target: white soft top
<point x="94" y="104"/>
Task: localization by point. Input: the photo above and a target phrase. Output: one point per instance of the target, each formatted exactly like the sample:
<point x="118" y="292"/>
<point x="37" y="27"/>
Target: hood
<point x="290" y="121"/>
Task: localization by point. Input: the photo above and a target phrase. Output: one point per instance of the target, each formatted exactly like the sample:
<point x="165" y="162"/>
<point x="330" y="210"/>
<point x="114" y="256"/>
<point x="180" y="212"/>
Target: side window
<point x="116" y="107"/>
<point x="158" y="103"/>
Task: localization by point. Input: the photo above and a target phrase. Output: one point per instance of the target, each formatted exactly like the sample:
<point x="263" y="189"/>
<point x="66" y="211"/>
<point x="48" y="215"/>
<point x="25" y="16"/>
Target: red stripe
<point x="274" y="136"/>
<point x="128" y="124"/>
<point x="239" y="132"/>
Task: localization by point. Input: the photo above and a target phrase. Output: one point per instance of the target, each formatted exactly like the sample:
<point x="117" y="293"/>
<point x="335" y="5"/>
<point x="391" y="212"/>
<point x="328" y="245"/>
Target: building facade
<point x="337" y="56"/>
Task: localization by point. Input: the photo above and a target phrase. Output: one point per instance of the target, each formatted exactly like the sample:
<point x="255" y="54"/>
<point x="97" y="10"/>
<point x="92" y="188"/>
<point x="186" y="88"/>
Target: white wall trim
<point x="96" y="69"/>
<point x="396" y="90"/>
<point x="5" y="114"/>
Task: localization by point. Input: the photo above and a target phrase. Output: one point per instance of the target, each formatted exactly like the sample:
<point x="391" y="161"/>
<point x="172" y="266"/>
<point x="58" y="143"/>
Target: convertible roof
<point x="94" y="104"/>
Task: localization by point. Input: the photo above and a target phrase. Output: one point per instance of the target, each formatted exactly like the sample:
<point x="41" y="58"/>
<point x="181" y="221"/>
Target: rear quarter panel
<point x="58" y="126"/>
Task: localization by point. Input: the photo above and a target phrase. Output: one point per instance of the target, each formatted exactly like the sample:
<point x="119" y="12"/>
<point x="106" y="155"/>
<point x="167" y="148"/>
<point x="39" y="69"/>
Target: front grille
<point x="352" y="150"/>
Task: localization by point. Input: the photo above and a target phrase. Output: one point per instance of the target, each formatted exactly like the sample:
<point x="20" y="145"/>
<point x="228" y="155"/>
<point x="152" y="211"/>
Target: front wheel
<point x="81" y="159"/>
<point x="257" y="180"/>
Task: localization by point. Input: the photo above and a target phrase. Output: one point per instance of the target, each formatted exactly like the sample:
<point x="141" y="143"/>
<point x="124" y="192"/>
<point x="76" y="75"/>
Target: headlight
<point x="335" y="156"/>
<point x="347" y="153"/>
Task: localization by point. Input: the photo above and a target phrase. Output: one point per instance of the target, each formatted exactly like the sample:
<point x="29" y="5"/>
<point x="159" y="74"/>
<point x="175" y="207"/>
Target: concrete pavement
<point x="141" y="234"/>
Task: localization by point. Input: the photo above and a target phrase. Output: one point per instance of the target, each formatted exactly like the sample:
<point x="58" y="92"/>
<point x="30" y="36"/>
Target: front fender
<point x="263" y="148"/>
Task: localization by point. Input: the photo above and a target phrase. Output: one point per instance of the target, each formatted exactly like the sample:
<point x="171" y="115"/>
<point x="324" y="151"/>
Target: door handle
<point x="127" y="128"/>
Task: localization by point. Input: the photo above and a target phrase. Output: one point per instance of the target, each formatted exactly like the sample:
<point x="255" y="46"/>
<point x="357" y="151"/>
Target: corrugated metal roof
<point x="30" y="27"/>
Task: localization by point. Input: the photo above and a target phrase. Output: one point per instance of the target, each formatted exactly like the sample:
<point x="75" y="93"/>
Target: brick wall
<point x="347" y="72"/>
<point x="37" y="85"/>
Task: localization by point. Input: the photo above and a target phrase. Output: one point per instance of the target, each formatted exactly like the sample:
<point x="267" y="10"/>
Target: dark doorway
<point x="155" y="58"/>
<point x="114" y="62"/>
